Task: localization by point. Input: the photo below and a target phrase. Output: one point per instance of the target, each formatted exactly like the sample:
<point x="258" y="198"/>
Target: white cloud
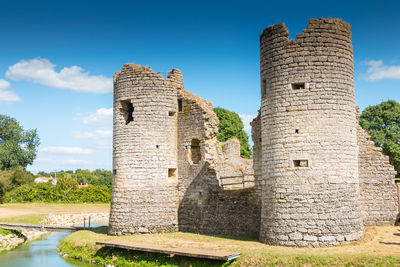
<point x="378" y="71"/>
<point x="67" y="150"/>
<point x="7" y="96"/>
<point x="102" y="118"/>
<point x="42" y="71"/>
<point x="246" y="119"/>
<point x="93" y="135"/>
<point x="4" y="84"/>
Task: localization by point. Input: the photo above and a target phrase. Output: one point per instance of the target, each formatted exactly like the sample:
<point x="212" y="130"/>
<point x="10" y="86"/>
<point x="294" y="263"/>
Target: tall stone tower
<point x="309" y="178"/>
<point x="145" y="188"/>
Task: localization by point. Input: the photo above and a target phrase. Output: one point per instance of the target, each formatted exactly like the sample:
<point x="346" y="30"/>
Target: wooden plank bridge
<point x="187" y="252"/>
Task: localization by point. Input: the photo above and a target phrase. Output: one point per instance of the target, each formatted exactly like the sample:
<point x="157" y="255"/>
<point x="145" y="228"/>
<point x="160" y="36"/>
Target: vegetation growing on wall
<point x="230" y="126"/>
<point x="382" y="122"/>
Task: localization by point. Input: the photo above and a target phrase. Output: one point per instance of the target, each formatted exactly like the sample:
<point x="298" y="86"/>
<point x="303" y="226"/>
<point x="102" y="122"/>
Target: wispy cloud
<point x="67" y="150"/>
<point x="378" y="71"/>
<point x="92" y="135"/>
<point x="102" y="118"/>
<point x="42" y="71"/>
<point x="246" y="119"/>
<point x="101" y="121"/>
<point x="5" y="95"/>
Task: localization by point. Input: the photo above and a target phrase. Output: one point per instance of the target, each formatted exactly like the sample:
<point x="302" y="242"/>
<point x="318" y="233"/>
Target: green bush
<point x="94" y="193"/>
<point x="46" y="192"/>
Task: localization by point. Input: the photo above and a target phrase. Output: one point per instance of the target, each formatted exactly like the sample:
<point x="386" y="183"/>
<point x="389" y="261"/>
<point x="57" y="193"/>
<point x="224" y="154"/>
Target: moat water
<point x="39" y="253"/>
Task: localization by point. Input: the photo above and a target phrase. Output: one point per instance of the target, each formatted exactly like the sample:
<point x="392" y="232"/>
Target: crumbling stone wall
<point x="205" y="207"/>
<point x="310" y="185"/>
<point x="379" y="199"/>
<point x="167" y="161"/>
<point x="257" y="151"/>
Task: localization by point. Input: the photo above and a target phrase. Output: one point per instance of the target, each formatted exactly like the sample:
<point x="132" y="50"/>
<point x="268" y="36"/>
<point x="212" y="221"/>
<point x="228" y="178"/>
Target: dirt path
<point x="13" y="210"/>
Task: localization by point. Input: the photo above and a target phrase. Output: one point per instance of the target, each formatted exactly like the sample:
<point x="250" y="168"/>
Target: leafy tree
<point x="66" y="186"/>
<point x="230" y="125"/>
<point x="5" y="182"/>
<point x="18" y="147"/>
<point x="104" y="177"/>
<point x="84" y="176"/>
<point x="20" y="177"/>
<point x="382" y="122"/>
<point x="43" y="174"/>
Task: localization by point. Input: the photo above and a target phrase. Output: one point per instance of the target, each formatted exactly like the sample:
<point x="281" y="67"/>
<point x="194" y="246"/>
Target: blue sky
<point x="58" y="58"/>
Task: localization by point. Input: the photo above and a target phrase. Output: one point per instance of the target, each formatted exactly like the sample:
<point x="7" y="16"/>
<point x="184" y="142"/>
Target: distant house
<point x="83" y="185"/>
<point x="46" y="180"/>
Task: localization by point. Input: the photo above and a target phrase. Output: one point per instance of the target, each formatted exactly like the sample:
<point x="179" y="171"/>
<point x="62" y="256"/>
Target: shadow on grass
<point x="99" y="230"/>
<point x="123" y="257"/>
<point x="390" y="243"/>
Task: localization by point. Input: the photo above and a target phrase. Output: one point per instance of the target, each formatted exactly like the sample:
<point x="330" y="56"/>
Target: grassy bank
<point x="379" y="247"/>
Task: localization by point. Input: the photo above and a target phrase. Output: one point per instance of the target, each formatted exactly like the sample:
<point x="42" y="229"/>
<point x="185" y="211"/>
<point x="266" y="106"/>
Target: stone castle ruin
<point x="315" y="178"/>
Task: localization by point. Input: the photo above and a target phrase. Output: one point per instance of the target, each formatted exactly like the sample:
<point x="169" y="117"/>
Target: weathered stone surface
<point x="308" y="144"/>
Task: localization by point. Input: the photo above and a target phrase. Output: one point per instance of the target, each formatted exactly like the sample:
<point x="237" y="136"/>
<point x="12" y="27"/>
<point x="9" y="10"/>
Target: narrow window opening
<point x="127" y="110"/>
<point x="300" y="163"/>
<point x="298" y="86"/>
<point x="195" y="151"/>
<point x="264" y="87"/>
<point x="260" y="140"/>
<point x="171" y="113"/>
<point x="157" y="146"/>
<point x="296" y="131"/>
<point x="114" y="171"/>
<point x="180" y="105"/>
<point x="171" y="173"/>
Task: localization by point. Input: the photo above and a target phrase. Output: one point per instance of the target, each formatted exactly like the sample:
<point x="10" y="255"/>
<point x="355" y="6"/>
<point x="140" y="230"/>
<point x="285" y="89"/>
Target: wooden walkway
<point x="39" y="227"/>
<point x="187" y="252"/>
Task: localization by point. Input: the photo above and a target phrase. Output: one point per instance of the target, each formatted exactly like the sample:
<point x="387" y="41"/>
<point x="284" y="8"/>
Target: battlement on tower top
<point x="321" y="25"/>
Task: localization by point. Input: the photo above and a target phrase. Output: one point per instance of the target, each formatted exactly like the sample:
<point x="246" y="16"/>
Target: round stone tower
<point x="310" y="185"/>
<point x="144" y="193"/>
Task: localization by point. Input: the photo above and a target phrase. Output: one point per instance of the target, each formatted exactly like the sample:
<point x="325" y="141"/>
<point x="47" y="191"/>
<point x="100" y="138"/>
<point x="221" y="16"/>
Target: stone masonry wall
<point x="379" y="199"/>
<point x="310" y="185"/>
<point x="145" y="187"/>
<point x="257" y="151"/>
<point x="205" y="207"/>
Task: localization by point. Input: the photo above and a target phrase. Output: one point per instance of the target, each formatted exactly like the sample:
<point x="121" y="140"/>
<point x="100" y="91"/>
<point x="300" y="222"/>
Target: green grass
<point x="28" y="218"/>
<point x="5" y="232"/>
<point x="81" y="245"/>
